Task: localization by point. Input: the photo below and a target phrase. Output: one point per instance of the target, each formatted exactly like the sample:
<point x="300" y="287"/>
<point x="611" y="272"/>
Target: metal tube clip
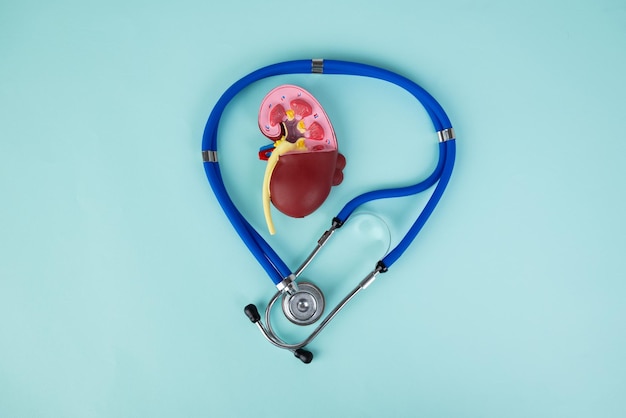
<point x="209" y="156"/>
<point x="446" y="135"/>
<point x="317" y="66"/>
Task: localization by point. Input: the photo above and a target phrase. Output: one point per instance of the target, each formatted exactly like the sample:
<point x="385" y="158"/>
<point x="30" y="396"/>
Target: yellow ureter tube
<point x="282" y="148"/>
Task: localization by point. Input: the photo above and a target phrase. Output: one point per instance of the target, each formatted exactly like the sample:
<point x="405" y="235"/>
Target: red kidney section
<point x="301" y="182"/>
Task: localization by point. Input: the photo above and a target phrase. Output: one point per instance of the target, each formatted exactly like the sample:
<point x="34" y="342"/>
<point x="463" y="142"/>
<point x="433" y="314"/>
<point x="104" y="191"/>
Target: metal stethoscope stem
<point x="270" y="335"/>
<point x="289" y="289"/>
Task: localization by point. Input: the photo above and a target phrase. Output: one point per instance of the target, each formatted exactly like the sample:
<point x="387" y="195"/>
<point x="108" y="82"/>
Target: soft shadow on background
<point x="122" y="283"/>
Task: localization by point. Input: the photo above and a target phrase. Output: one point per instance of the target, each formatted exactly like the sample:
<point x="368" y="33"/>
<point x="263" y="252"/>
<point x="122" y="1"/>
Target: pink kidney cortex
<point x="306" y="162"/>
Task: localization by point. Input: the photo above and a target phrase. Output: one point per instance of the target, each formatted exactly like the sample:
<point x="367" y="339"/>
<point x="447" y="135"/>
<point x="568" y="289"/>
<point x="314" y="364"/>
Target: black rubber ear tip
<point x="303" y="355"/>
<point x="252" y="313"/>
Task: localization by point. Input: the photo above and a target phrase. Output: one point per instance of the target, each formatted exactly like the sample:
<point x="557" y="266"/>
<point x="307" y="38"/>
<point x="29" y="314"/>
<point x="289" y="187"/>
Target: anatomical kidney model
<point x="303" y="163"/>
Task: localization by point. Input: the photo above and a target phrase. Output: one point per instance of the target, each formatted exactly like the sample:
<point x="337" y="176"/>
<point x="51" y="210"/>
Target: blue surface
<point x="122" y="284"/>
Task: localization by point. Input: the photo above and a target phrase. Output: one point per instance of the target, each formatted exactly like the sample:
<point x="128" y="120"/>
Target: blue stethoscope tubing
<point x="275" y="267"/>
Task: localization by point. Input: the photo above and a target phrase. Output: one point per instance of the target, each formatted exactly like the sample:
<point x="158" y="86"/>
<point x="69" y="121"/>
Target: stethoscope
<point x="302" y="302"/>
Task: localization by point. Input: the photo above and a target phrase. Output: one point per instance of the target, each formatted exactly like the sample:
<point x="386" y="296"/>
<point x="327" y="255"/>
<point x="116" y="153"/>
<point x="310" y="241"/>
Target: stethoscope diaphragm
<point x="305" y="306"/>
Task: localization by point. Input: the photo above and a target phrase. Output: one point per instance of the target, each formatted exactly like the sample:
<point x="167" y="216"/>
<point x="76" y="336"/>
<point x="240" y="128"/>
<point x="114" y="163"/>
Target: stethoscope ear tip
<point x="252" y="313"/>
<point x="303" y="355"/>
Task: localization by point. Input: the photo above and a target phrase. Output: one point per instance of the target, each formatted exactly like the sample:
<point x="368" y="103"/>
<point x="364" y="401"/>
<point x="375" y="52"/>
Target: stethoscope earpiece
<point x="303" y="303"/>
<point x="252" y="313"/>
<point x="303" y="355"/>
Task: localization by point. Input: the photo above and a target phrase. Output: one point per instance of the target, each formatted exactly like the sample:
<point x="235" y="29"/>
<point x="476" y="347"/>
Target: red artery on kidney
<point x="304" y="162"/>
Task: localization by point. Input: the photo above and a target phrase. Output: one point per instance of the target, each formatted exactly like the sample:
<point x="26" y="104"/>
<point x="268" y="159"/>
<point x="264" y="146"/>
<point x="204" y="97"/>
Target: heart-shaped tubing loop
<point x="262" y="251"/>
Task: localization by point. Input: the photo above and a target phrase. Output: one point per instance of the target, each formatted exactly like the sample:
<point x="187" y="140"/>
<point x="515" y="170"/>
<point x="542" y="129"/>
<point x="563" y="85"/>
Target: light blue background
<point x="122" y="285"/>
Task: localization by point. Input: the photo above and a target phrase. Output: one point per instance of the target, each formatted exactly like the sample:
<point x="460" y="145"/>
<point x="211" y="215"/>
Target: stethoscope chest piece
<point x="305" y="306"/>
